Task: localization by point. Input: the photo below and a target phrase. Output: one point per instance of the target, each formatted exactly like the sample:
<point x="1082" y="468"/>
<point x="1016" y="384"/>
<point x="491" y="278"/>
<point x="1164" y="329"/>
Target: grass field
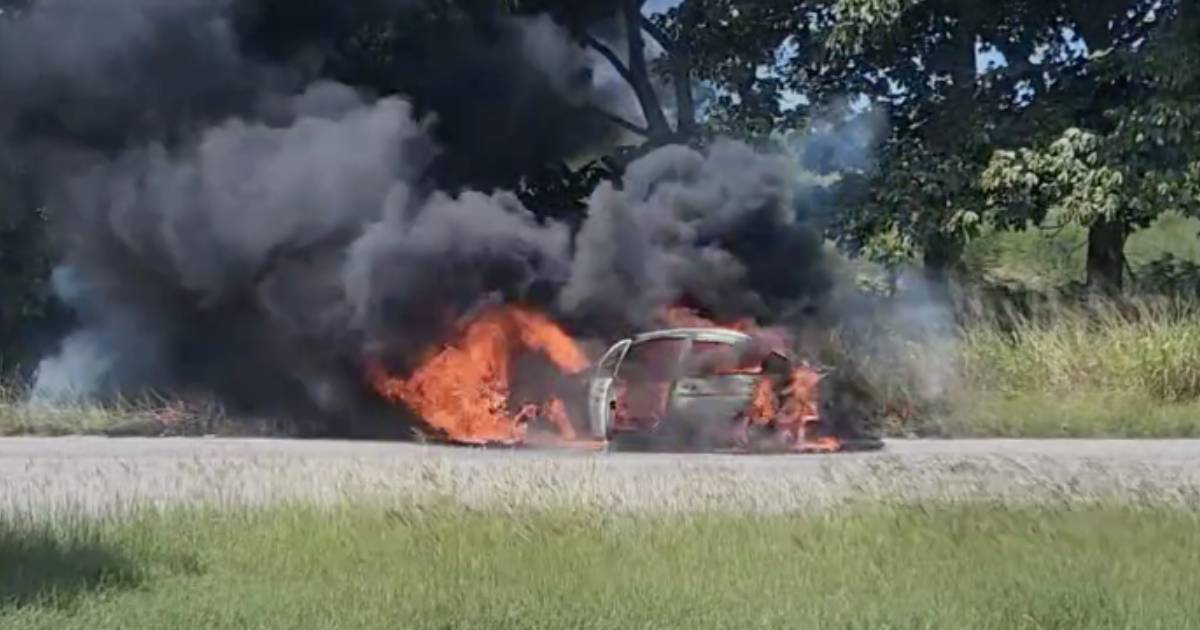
<point x="148" y="416"/>
<point x="1106" y="372"/>
<point x="1080" y="414"/>
<point x="1050" y="258"/>
<point x="358" y="567"/>
<point x="1064" y="370"/>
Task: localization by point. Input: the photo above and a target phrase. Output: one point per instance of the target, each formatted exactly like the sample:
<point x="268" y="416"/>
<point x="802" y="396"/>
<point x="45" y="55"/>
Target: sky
<point x="658" y="6"/>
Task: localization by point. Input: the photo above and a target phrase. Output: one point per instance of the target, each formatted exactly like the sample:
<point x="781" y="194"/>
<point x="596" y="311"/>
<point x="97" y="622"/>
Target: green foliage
<point x="1135" y="155"/>
<point x="1169" y="275"/>
<point x="858" y="22"/>
<point x="1069" y="178"/>
<point x="1057" y="369"/>
<point x="1030" y="359"/>
<point x="1086" y="176"/>
<point x="1043" y="259"/>
<point x="929" y="566"/>
<point x="1052" y="256"/>
<point x="919" y="199"/>
<point x="731" y="49"/>
<point x="938" y="186"/>
<point x="24" y="264"/>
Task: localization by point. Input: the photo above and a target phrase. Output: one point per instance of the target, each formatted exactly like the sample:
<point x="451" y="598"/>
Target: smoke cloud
<point x="229" y="224"/>
<point x="106" y="73"/>
<point x="719" y="229"/>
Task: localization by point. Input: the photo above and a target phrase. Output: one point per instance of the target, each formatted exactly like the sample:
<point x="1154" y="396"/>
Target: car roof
<point x="718" y="335"/>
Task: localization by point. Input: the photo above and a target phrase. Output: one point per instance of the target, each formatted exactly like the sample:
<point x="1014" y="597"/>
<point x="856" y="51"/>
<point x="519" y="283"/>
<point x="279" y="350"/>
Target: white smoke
<point x="116" y="347"/>
<point x="923" y="316"/>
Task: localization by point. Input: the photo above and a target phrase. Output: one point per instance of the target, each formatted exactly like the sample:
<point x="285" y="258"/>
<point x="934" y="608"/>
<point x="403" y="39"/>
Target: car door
<point x="600" y="390"/>
<point x="718" y="380"/>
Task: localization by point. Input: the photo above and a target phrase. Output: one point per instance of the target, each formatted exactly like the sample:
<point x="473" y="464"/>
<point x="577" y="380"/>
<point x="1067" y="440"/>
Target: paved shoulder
<point x="99" y="474"/>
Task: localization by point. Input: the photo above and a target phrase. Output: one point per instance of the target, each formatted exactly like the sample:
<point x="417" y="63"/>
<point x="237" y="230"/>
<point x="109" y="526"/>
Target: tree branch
<point x="678" y="54"/>
<point x="610" y="56"/>
<point x="639" y="73"/>
<point x="657" y="34"/>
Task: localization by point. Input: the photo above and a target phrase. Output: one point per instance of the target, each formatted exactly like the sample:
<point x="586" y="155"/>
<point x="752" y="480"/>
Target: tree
<point x="24" y="257"/>
<point x="418" y="49"/>
<point x="1133" y="154"/>
<point x="24" y="264"/>
<point x="918" y="62"/>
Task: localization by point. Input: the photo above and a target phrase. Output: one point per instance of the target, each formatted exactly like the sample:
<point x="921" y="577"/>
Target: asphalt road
<point x="51" y="475"/>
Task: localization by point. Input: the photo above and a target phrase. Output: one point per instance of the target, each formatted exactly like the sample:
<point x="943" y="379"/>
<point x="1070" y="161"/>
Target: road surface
<point x="97" y="475"/>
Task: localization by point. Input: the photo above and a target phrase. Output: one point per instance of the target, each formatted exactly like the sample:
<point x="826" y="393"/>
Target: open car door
<point x="600" y="390"/>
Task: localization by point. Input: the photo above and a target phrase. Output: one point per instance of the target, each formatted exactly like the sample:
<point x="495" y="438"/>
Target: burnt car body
<point x="685" y="388"/>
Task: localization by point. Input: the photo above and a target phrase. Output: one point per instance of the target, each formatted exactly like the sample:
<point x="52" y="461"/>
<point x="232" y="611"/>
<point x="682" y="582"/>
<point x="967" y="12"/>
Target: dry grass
<point x="1146" y="347"/>
<point x="1081" y="414"/>
<point x="1065" y="370"/>
<point x="145" y="416"/>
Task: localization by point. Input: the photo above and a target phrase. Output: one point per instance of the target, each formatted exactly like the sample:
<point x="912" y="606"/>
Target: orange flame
<point x="461" y="390"/>
<point x="684" y="317"/>
<point x="794" y="411"/>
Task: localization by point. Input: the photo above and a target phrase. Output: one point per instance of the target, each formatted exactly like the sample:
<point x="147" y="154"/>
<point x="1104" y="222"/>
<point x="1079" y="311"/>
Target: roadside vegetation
<point x="936" y="566"/>
<point x="1125" y="367"/>
<point x="144" y="416"/>
<point x="1120" y="370"/>
<point x="1108" y="369"/>
<point x="1043" y="360"/>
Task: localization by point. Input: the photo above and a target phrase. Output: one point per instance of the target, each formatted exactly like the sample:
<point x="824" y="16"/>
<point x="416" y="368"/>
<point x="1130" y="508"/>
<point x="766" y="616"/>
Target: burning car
<point x="705" y="388"/>
<point x="696" y="386"/>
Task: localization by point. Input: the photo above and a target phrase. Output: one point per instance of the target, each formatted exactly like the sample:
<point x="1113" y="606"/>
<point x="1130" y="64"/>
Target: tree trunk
<point x="685" y="104"/>
<point x="679" y="57"/>
<point x="942" y="253"/>
<point x="1106" y="256"/>
<point x="957" y="59"/>
<point x="639" y="71"/>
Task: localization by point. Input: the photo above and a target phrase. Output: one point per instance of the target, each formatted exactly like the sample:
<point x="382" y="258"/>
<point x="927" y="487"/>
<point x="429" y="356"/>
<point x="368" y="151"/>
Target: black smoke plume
<point x="241" y="210"/>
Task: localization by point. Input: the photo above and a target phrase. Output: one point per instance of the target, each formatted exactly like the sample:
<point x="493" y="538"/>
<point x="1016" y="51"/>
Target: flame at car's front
<point x="461" y="391"/>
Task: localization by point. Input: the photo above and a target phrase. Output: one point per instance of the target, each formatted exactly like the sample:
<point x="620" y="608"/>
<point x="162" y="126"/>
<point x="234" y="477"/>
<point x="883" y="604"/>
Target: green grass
<point x="868" y="567"/>
<point x="1129" y="370"/>
<point x="1101" y="373"/>
<point x="1035" y="259"/>
<point x="1044" y="415"/>
<point x="1045" y="259"/>
<point x="20" y="418"/>
<point x="1110" y="372"/>
<point x="1146" y="348"/>
<point x="1171" y="234"/>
